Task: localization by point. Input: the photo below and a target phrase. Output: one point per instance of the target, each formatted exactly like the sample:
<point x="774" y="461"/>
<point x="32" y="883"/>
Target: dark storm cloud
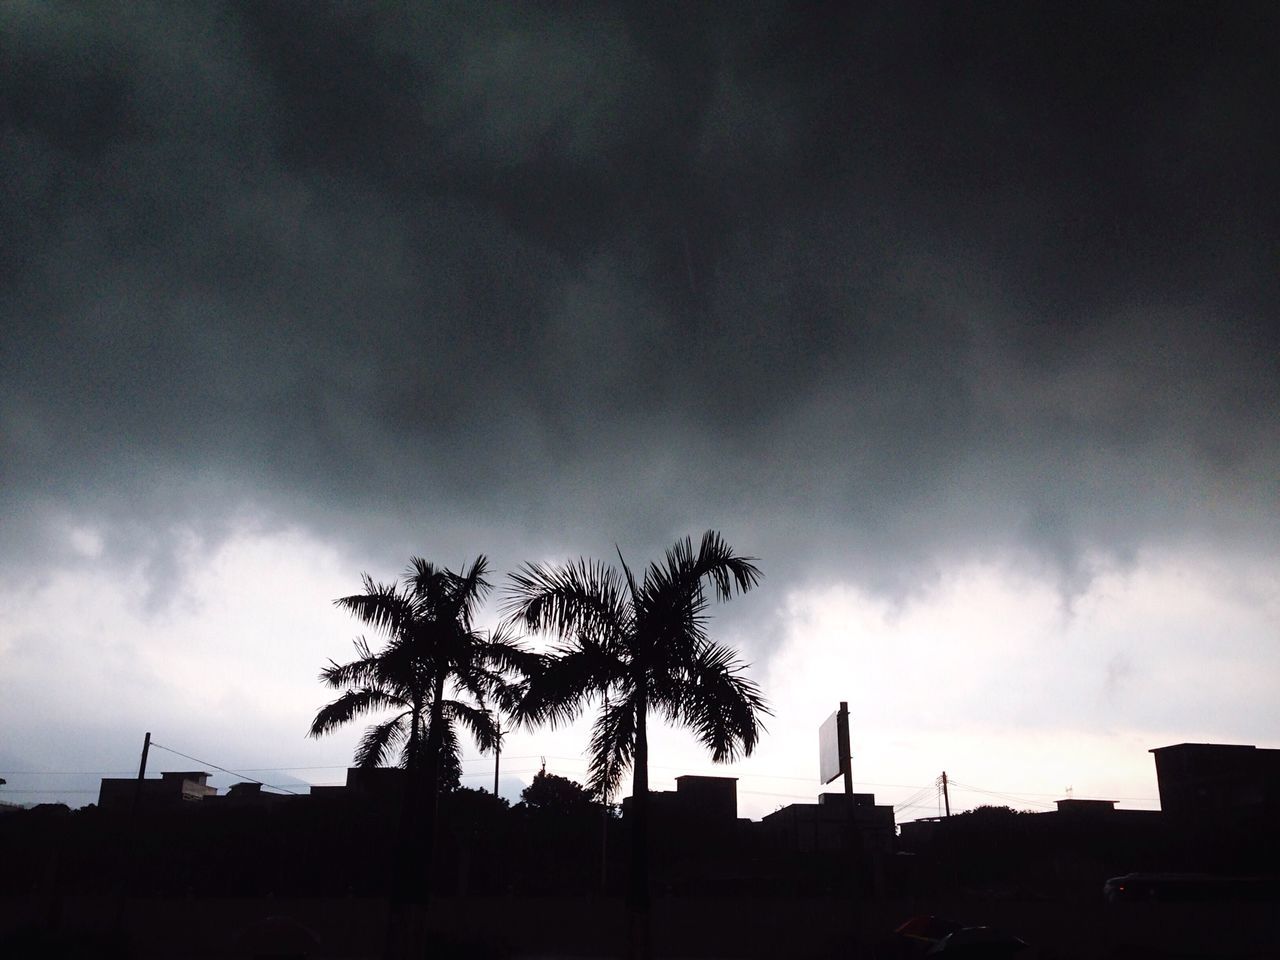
<point x="879" y="288"/>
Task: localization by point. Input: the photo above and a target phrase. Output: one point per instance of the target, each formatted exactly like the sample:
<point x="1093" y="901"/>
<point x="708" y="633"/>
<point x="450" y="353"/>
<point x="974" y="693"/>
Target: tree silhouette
<point x="435" y="673"/>
<point x="552" y="794"/>
<point x="639" y="646"/>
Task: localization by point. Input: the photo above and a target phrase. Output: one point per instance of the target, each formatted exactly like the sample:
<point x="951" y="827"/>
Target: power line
<point x="1014" y="796"/>
<point x="765" y="793"/>
<point x="66" y="773"/>
<point x="912" y="800"/>
<point x="1027" y="793"/>
<point x="330" y="766"/>
<point x="778" y="776"/>
<point x="57" y="790"/>
<point x="1001" y="796"/>
<point x="215" y="766"/>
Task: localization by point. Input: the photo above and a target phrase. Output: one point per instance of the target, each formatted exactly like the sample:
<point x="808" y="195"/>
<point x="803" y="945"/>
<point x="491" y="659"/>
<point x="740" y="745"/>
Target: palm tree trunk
<point x="426" y="799"/>
<point x="638" y="902"/>
<point x="405" y="858"/>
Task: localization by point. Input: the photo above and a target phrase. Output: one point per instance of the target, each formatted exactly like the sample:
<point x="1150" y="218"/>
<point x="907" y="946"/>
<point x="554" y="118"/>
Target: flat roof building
<point x="825" y="825"/>
<point x="173" y="787"/>
<point x="1212" y="780"/>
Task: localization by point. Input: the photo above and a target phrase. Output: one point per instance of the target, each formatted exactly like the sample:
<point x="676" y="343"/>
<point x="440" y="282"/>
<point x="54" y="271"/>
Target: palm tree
<point x="436" y="673"/>
<point x="639" y="646"/>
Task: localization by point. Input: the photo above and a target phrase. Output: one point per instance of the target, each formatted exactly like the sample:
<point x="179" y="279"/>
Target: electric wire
<point x="911" y="801"/>
<point x="1008" y="798"/>
<point x="215" y="766"/>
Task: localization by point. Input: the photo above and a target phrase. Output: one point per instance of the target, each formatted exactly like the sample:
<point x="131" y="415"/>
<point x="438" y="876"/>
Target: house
<point x="173" y="788"/>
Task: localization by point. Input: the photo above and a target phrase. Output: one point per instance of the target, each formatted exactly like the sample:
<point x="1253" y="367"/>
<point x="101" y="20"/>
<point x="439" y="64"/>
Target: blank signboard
<point x="833" y="745"/>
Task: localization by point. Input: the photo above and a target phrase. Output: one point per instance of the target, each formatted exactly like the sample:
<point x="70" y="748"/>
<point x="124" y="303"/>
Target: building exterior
<point x="252" y="795"/>
<point x="1074" y="807"/>
<point x="700" y="801"/>
<point x="825" y="825"/>
<point x="172" y="788"/>
<point x="381" y="787"/>
<point x="1212" y="781"/>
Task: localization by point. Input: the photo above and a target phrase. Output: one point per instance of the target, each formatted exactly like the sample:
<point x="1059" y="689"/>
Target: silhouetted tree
<point x="436" y="672"/>
<point x="549" y="793"/>
<point x="639" y="646"/>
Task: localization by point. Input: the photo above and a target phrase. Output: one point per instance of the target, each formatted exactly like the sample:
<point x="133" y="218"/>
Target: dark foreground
<point x="710" y="927"/>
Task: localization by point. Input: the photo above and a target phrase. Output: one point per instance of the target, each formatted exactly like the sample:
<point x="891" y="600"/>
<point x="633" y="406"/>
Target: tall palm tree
<point x="435" y="673"/>
<point x="639" y="646"/>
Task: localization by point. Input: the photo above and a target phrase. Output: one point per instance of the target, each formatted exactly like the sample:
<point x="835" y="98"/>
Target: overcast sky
<point x="962" y="319"/>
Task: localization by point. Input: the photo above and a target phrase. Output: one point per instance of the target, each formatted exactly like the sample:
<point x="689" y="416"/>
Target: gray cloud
<point x="868" y="293"/>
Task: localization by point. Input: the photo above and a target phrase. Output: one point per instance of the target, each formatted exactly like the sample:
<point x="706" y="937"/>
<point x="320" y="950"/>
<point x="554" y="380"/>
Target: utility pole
<point x="604" y="817"/>
<point x="146" y="748"/>
<point x="946" y="797"/>
<point x="604" y="841"/>
<point x="846" y="752"/>
<point x="132" y="866"/>
<point x="497" y="754"/>
<point x="142" y="774"/>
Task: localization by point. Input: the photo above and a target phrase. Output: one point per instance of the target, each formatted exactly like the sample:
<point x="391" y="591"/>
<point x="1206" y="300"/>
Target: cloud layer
<point x="877" y="294"/>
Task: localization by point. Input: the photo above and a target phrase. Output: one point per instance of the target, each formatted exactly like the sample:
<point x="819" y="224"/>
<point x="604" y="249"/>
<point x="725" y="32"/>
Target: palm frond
<point x="381" y="740"/>
<point x="450" y="768"/>
<point x="358" y="673"/>
<point x="469" y="588"/>
<point x="502" y="649"/>
<point x="632" y="590"/>
<point x="421" y="575"/>
<point x="582" y="597"/>
<point x="721" y="707"/>
<point x="480" y="723"/>
<point x="612" y="748"/>
<point x="558" y="692"/>
<point x="717" y="561"/>
<point x="382" y="606"/>
<point x="350" y="705"/>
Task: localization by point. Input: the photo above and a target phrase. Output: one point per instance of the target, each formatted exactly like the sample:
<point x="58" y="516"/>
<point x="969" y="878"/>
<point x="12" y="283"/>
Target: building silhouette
<point x="172" y="789"/>
<point x="835" y="822"/>
<point x="1209" y="781"/>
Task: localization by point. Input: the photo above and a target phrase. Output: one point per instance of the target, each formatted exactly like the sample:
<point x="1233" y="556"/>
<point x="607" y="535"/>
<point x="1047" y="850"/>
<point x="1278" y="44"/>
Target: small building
<point x="826" y="825"/>
<point x="172" y="788"/>
<point x="696" y="800"/>
<point x="251" y="794"/>
<point x="917" y="834"/>
<point x="381" y="787"/>
<point x="1073" y="807"/>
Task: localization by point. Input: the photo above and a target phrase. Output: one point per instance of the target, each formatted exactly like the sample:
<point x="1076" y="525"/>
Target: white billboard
<point x="833" y="745"/>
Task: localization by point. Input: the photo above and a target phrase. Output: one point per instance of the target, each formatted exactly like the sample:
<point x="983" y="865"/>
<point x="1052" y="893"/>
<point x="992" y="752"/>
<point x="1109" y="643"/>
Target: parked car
<point x="1187" y="888"/>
